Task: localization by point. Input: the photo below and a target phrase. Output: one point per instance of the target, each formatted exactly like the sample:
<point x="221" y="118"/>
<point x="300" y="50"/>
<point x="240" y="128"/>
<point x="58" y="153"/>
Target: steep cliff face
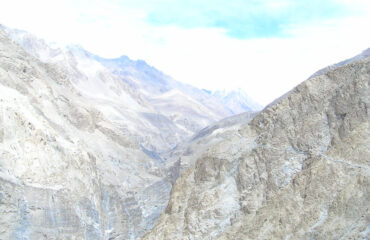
<point x="298" y="170"/>
<point x="66" y="170"/>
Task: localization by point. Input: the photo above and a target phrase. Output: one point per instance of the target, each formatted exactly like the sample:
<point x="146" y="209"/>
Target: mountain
<point x="237" y="101"/>
<point x="199" y="108"/>
<point x="297" y="170"/>
<point x="188" y="106"/>
<point x="148" y="93"/>
<point x="364" y="54"/>
<point x="67" y="171"/>
<point x="85" y="140"/>
<point x="91" y="149"/>
<point x="156" y="110"/>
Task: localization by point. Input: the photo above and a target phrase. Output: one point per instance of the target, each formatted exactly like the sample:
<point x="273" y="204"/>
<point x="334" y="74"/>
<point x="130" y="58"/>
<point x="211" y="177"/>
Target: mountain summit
<point x="237" y="100"/>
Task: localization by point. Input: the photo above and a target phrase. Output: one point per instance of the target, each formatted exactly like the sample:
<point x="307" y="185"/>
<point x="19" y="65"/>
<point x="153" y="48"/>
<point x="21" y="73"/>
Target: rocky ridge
<point x="300" y="169"/>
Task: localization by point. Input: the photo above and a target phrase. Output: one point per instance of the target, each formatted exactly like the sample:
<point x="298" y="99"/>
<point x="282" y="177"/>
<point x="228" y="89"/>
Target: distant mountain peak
<point x="237" y="100"/>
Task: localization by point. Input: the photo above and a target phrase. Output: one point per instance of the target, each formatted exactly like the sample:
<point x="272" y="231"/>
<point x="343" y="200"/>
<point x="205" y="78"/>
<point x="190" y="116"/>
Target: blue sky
<point x="265" y="47"/>
<point x="245" y="19"/>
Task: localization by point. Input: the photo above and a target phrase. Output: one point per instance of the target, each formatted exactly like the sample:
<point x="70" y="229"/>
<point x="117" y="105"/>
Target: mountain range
<point x="96" y="148"/>
<point x="140" y="90"/>
<point x="85" y="140"/>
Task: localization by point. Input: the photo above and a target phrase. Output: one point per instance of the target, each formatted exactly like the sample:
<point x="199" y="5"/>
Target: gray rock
<point x="66" y="170"/>
<point x="300" y="169"/>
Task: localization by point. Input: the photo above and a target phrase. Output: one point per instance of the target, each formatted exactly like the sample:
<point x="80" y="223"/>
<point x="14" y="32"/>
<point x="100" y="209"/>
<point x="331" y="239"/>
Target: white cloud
<point x="205" y="57"/>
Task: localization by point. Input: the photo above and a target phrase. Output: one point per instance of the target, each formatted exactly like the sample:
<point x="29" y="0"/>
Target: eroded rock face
<point x="299" y="170"/>
<point x="67" y="171"/>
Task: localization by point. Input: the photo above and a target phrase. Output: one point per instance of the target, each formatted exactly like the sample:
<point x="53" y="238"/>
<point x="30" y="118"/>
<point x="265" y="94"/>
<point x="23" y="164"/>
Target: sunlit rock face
<point x="67" y="171"/>
<point x="300" y="169"/>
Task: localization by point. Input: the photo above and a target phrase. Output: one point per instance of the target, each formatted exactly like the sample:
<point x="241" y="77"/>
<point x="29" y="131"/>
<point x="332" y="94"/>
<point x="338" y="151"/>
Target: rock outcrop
<point x="300" y="169"/>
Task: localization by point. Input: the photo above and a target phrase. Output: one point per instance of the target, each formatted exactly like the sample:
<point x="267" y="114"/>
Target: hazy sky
<point x="265" y="47"/>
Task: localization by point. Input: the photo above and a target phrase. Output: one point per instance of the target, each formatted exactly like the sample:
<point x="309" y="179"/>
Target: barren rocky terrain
<point x="300" y="169"/>
<point x="92" y="148"/>
<point x="66" y="170"/>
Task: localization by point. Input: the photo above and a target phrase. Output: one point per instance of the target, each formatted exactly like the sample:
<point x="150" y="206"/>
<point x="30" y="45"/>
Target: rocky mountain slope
<point x="85" y="140"/>
<point x="156" y="110"/>
<point x="157" y="86"/>
<point x="87" y="151"/>
<point x="186" y="154"/>
<point x="112" y="96"/>
<point x="364" y="54"/>
<point x="300" y="169"/>
<point x="67" y="170"/>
